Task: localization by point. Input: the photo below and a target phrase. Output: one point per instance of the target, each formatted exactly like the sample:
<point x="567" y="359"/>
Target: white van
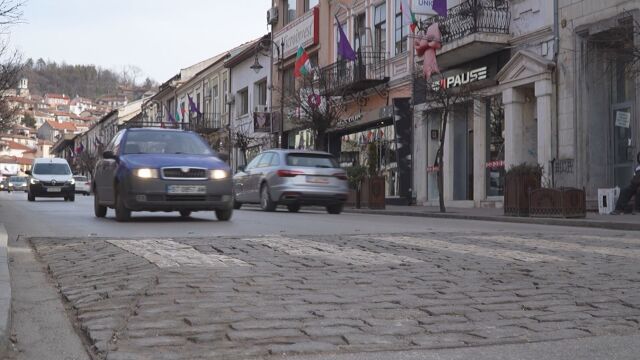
<point x="51" y="177"/>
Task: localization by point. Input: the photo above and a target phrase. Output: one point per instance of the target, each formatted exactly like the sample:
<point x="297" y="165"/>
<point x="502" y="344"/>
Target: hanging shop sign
<point x="342" y="123"/>
<point x="303" y="31"/>
<point x="461" y="78"/>
<point x="262" y="122"/>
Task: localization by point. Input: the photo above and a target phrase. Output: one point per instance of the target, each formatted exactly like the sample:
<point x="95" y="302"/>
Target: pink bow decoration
<point x="426" y="45"/>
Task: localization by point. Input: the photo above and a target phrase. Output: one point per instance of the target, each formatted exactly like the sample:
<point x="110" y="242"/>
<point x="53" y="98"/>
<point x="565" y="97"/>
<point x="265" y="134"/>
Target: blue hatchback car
<point x="148" y="169"/>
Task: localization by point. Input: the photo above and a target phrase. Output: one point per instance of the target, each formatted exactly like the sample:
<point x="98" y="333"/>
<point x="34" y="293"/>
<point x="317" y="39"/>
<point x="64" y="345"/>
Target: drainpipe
<point x="556" y="58"/>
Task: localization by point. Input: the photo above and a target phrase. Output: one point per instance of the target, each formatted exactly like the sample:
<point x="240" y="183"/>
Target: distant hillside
<point x="85" y="80"/>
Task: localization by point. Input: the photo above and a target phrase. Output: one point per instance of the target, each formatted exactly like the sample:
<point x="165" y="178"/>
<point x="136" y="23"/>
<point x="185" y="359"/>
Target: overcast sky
<point x="159" y="36"/>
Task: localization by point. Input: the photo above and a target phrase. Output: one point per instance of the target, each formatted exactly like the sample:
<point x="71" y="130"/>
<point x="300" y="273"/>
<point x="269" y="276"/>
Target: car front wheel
<point x="224" y="214"/>
<point x="334" y="209"/>
<point x="122" y="213"/>
<point x="98" y="210"/>
<point x="185" y="213"/>
<point x="30" y="197"/>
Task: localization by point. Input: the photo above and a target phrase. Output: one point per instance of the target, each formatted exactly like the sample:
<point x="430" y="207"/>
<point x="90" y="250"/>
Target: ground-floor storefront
<point x="504" y="120"/>
<point x="383" y="135"/>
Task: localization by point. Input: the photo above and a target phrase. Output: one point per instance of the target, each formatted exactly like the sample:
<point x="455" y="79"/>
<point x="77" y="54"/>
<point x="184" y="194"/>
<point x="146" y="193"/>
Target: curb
<point x="623" y="226"/>
<point x="5" y="291"/>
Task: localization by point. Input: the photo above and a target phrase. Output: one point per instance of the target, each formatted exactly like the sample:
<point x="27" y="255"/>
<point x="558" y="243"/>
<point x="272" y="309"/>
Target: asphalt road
<point x="582" y="310"/>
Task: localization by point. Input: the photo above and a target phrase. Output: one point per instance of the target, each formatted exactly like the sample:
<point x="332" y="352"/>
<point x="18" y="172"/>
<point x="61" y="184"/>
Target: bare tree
<point x="443" y="99"/>
<point x="10" y="60"/>
<point x="311" y="108"/>
<point x="243" y="140"/>
<point x="86" y="161"/>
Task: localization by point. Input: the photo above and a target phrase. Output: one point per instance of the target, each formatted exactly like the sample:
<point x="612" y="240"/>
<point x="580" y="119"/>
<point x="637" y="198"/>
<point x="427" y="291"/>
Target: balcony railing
<point x="344" y="77"/>
<point x="473" y="16"/>
<point x="205" y="122"/>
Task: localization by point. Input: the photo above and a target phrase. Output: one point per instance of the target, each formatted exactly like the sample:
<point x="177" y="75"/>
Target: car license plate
<point x="54" y="189"/>
<point x="186" y="189"/>
<point x="317" y="179"/>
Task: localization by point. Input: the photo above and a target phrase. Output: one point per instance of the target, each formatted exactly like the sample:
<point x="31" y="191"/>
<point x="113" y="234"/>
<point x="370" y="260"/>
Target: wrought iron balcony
<point x="473" y="16"/>
<point x="345" y="77"/>
<point x="205" y="122"/>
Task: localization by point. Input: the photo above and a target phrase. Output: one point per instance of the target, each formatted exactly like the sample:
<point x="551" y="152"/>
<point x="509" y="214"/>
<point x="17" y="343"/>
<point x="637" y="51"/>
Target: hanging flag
<point x="182" y="111"/>
<point x="178" y="118"/>
<point x="344" y="47"/>
<point x="303" y="64"/>
<point x="80" y="148"/>
<point x="409" y="15"/>
<point x="98" y="142"/>
<point x="170" y="117"/>
<point x="192" y="106"/>
<point x="440" y="7"/>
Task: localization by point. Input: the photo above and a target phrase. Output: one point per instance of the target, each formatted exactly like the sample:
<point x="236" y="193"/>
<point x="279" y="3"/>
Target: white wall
<point x="242" y="76"/>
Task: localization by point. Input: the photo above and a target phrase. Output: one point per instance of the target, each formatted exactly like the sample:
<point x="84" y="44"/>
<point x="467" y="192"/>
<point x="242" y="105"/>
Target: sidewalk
<point x="593" y="220"/>
<point x="5" y="291"/>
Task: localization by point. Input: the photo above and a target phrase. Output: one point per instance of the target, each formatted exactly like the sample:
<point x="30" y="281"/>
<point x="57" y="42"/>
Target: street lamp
<point x="269" y="44"/>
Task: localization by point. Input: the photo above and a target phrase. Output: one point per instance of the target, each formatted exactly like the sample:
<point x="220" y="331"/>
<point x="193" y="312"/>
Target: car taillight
<point x="289" y="173"/>
<point x="341" y="176"/>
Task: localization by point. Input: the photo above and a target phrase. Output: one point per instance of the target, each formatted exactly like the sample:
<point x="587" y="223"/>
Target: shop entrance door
<point x="462" y="154"/>
<point x="623" y="146"/>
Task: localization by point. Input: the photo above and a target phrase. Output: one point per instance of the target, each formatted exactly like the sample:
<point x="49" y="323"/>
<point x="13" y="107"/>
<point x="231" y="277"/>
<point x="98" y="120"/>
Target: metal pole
<point x="281" y="61"/>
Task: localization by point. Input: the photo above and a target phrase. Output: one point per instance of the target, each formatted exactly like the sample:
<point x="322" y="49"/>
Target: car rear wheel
<point x="122" y="213"/>
<point x="98" y="210"/>
<point x="265" y="199"/>
<point x="334" y="209"/>
<point x="30" y="197"/>
<point x="185" y="213"/>
<point x="72" y="198"/>
<point x="224" y="214"/>
<point x="236" y="205"/>
<point x="293" y="208"/>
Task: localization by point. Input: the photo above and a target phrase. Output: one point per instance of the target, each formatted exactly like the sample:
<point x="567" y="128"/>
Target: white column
<point x="479" y="151"/>
<point x="447" y="159"/>
<point x="544" y="90"/>
<point x="421" y="142"/>
<point x="513" y="101"/>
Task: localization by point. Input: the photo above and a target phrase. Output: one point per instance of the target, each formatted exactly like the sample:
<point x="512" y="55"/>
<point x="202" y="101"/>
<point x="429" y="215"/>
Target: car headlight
<point x="218" y="174"/>
<point x="146" y="173"/>
<point x="72" y="182"/>
<point x="34" y="181"/>
<point x="10" y="184"/>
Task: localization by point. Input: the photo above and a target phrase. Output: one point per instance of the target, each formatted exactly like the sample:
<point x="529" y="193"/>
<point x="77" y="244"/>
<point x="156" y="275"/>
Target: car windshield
<point x="51" y="169"/>
<point x="311" y="160"/>
<point x="17" y="179"/>
<point x="165" y="142"/>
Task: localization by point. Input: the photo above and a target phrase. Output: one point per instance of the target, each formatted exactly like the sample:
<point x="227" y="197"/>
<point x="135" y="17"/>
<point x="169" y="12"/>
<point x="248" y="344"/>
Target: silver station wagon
<point x="293" y="178"/>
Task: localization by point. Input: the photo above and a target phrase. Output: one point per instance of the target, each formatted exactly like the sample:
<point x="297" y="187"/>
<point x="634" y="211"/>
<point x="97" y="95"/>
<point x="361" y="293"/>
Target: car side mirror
<point x="109" y="155"/>
<point x="28" y="172"/>
<point x="241" y="168"/>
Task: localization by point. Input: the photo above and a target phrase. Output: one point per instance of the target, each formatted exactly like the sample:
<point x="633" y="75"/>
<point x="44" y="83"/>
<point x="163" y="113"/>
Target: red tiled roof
<point x="62" y="126"/>
<point x="57" y="96"/>
<point x="17" y="146"/>
<point x="16" y="160"/>
<point x="44" y="142"/>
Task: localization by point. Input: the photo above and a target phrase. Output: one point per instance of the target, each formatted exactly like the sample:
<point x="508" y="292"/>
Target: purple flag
<point x="344" y="48"/>
<point x="171" y="118"/>
<point x="440" y="6"/>
<point x="193" y="107"/>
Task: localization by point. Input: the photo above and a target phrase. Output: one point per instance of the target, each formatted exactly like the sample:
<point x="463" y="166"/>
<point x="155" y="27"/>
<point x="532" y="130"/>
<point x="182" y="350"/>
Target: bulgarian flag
<point x="411" y="17"/>
<point x="303" y="65"/>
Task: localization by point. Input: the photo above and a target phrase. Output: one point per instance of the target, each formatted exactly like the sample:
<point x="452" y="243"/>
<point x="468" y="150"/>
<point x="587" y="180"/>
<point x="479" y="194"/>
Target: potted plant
<point x="520" y="180"/>
<point x="356" y="175"/>
<point x="376" y="196"/>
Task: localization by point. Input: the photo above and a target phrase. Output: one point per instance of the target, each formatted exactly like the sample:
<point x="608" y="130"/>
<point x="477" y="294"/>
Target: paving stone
<point x="262" y="334"/>
<point x="302" y="347"/>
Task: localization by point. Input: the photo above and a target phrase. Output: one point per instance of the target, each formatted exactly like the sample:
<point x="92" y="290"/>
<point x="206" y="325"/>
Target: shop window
<point x="243" y="102"/>
<point x="289" y="11"/>
<point x="289" y="81"/>
<point x="401" y="31"/>
<point x="380" y="27"/>
<point x="495" y="147"/>
<point x="261" y="92"/>
<point x="310" y="4"/>
<point x="360" y="31"/>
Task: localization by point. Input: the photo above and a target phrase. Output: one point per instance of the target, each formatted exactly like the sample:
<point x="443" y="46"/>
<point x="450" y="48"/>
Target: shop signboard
<point x="303" y="31"/>
<point x="262" y="122"/>
<point x="461" y="78"/>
